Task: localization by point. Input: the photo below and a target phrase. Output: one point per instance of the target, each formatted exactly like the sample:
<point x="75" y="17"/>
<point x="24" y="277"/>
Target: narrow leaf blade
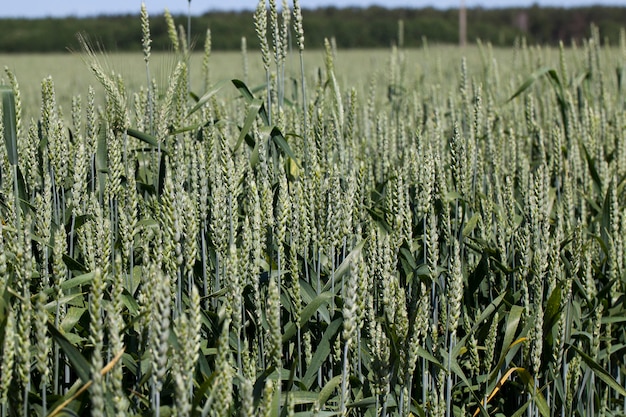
<point x="601" y="372"/>
<point x="78" y="361"/>
<point x="207" y="96"/>
<point x="529" y="82"/>
<point x="9" y="122"/>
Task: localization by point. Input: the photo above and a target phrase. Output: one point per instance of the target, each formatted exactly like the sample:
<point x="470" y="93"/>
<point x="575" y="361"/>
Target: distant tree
<point x="351" y="27"/>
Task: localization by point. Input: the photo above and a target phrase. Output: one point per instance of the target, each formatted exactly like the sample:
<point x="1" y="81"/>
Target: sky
<point x="60" y="8"/>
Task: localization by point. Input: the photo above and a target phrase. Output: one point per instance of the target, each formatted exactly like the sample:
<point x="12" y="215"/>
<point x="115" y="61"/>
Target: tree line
<point x="351" y="27"/>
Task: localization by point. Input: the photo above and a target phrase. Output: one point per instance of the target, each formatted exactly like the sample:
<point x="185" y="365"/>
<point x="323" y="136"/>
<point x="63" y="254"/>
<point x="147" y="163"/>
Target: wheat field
<point x="294" y="232"/>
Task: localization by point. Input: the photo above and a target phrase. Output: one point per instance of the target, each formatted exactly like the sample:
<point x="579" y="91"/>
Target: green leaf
<point x="72" y="317"/>
<point x="530" y="81"/>
<point x="306" y="313"/>
<point x="254" y="155"/>
<point x="456" y="369"/>
<point x="454" y="365"/>
<point x="201" y="391"/>
<point x="423" y="353"/>
<point x="243" y="90"/>
<point x="555" y="80"/>
<point x="551" y="314"/>
<point x="249" y="97"/>
<point x="9" y="123"/>
<point x="160" y="179"/>
<point x="576" y="82"/>
<point x="512" y="323"/>
<point x="259" y="384"/>
<point x="207" y="96"/>
<point x="76" y="359"/>
<point x="451" y="196"/>
<point x="613" y="320"/>
<point x="102" y="160"/>
<point x="407" y="256"/>
<point x="364" y="403"/>
<point x="322" y="352"/>
<point x="280" y="141"/>
<point x="592" y="167"/>
<point x="77" y="281"/>
<point x="345" y="264"/>
<point x="538" y="398"/>
<point x="145" y="138"/>
<point x="131" y="303"/>
<point x="471" y="224"/>
<point x="486" y="313"/>
<point x="66" y="299"/>
<point x="620" y="72"/>
<point x="607" y="214"/>
<point x="21" y="192"/>
<point x="303" y="397"/>
<point x="253" y="110"/>
<point x="102" y="150"/>
<point x="600" y="372"/>
<point x="72" y="264"/>
<point x="275" y="407"/>
<point x="328" y="390"/>
<point x="477" y="277"/>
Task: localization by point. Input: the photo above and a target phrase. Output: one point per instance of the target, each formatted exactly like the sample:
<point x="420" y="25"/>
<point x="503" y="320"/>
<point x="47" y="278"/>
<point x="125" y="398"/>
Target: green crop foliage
<point x="414" y="232"/>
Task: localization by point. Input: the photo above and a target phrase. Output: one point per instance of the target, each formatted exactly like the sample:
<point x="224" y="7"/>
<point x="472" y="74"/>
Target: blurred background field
<point x="356" y="68"/>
